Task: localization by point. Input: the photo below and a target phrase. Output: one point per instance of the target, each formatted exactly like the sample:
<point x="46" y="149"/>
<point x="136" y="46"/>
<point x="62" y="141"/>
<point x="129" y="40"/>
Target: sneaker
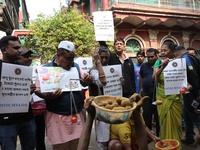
<point x="189" y="143"/>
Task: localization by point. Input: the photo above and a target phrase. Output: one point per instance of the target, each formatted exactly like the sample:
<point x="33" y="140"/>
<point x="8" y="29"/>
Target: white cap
<point x="66" y="45"/>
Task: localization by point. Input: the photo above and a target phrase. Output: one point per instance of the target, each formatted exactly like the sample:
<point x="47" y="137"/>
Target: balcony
<point x="9" y="15"/>
<point x="171" y="4"/>
<point x="152" y="13"/>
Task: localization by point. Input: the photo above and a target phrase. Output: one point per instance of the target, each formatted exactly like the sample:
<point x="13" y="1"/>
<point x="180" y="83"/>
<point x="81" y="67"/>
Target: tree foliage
<point x="48" y="31"/>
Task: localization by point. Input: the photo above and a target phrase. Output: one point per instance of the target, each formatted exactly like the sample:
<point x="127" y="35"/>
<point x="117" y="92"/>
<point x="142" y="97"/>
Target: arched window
<point x="168" y="38"/>
<point x="132" y="45"/>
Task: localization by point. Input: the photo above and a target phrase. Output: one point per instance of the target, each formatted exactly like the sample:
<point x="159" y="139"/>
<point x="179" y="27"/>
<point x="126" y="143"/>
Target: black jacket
<point x="193" y="74"/>
<point x="127" y="72"/>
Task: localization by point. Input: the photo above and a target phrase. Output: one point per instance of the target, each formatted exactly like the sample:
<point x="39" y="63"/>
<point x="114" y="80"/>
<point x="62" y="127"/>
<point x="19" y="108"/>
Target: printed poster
<point x="84" y="62"/>
<point x="52" y="78"/>
<point x="103" y="25"/>
<point x="15" y="88"/>
<point x="113" y="74"/>
<point x="175" y="76"/>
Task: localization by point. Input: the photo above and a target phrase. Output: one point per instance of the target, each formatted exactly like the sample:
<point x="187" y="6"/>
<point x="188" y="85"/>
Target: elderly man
<point x="61" y="132"/>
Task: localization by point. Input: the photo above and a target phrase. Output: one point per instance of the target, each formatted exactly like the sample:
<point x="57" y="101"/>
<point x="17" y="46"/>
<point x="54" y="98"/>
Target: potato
<point x="128" y="107"/>
<point x="108" y="106"/>
<point x="125" y="103"/>
<point x="103" y="103"/>
<point x="110" y="102"/>
<point x="135" y="97"/>
<point x="119" y="100"/>
<point x="115" y="104"/>
<point x="119" y="108"/>
<point x="158" y="102"/>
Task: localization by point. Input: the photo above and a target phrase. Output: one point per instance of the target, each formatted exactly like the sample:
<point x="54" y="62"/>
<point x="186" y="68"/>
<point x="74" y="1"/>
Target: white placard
<point x="84" y="62"/>
<point x="52" y="78"/>
<point x="175" y="76"/>
<point x="113" y="74"/>
<point x="103" y="25"/>
<point x="15" y="88"/>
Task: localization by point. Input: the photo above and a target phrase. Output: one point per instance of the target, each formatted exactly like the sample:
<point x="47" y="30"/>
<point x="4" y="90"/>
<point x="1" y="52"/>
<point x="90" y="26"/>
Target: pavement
<point x="92" y="145"/>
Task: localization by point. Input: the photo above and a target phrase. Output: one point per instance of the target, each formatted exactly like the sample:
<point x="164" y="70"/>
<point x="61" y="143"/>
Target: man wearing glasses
<point x="61" y="132"/>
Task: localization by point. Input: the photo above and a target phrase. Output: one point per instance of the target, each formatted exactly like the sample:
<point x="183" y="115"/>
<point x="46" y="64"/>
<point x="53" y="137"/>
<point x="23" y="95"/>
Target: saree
<point x="170" y="112"/>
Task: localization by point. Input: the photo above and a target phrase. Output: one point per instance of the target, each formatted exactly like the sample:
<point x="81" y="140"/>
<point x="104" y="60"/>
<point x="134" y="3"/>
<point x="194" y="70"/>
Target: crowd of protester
<point x="146" y="78"/>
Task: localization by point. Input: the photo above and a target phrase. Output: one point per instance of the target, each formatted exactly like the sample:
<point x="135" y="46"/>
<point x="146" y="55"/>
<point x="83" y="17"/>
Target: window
<point x="169" y="3"/>
<point x="132" y="45"/>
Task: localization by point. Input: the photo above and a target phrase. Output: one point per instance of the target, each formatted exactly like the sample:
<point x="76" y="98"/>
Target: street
<point x="92" y="145"/>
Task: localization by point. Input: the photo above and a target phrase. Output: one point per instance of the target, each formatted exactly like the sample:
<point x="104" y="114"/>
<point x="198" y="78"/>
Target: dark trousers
<point x="40" y="132"/>
<point x="191" y="118"/>
<point x="148" y="111"/>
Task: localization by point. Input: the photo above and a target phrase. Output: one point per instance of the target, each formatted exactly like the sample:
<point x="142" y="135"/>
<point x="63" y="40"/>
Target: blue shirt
<point x="137" y="77"/>
<point x="146" y="72"/>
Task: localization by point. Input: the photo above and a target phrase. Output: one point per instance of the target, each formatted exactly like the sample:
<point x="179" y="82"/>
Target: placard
<point x="103" y="25"/>
<point x="52" y="78"/>
<point x="175" y="76"/>
<point x="113" y="74"/>
<point x="15" y="88"/>
<point x="84" y="62"/>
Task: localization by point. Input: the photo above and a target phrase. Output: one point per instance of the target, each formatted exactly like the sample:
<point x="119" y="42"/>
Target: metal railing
<point x="173" y="4"/>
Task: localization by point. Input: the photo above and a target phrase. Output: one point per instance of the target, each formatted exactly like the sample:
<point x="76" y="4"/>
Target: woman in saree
<point x="170" y="110"/>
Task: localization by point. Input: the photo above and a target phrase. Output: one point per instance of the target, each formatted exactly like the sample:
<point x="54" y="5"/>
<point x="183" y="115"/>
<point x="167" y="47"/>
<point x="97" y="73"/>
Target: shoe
<point x="197" y="139"/>
<point x="189" y="143"/>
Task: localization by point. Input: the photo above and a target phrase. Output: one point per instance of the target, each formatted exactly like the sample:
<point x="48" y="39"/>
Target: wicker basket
<point x="111" y="116"/>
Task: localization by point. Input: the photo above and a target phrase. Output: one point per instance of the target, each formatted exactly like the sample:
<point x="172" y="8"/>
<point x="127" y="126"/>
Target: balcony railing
<point x="173" y="4"/>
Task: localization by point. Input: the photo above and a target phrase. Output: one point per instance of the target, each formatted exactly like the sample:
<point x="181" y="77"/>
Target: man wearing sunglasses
<point x="25" y="57"/>
<point x="62" y="133"/>
<point x="14" y="124"/>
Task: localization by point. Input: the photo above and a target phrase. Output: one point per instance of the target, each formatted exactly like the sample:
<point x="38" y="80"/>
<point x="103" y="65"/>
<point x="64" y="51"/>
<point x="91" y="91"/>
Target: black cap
<point x="179" y="48"/>
<point x="25" y="51"/>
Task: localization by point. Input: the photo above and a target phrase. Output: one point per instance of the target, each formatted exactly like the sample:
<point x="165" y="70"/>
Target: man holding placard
<point x="64" y="116"/>
<point x="119" y="57"/>
<point x="15" y="123"/>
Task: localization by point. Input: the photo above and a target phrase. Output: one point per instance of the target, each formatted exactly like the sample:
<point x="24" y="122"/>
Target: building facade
<point x="150" y="23"/>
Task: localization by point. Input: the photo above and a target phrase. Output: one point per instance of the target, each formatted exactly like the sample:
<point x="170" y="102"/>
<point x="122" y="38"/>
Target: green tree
<point x="48" y="31"/>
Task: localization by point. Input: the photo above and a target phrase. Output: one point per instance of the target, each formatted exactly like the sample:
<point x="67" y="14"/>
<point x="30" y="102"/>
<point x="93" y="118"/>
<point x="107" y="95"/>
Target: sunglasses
<point x="69" y="58"/>
<point x="27" y="56"/>
<point x="104" y="57"/>
<point x="16" y="47"/>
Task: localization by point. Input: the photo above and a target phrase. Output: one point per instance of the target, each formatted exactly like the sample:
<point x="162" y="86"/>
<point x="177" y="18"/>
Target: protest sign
<point x="15" y="88"/>
<point x="113" y="74"/>
<point x="103" y="25"/>
<point x="175" y="76"/>
<point x="84" y="62"/>
<point x="52" y="78"/>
